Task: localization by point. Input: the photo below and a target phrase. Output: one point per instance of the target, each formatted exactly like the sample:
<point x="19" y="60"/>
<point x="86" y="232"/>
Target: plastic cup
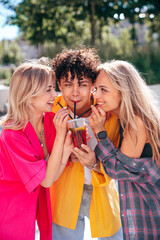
<point x="78" y="129"/>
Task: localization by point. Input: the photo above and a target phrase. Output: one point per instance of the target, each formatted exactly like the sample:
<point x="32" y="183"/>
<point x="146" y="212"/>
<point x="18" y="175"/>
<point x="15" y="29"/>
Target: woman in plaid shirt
<point x="136" y="164"/>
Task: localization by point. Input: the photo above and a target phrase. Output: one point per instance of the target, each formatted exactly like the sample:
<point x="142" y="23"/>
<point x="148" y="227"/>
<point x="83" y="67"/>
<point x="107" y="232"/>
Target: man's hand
<point x="86" y="156"/>
<point x="73" y="158"/>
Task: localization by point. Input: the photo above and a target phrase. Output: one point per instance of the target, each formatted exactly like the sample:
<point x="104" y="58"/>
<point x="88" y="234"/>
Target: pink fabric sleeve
<point x="27" y="164"/>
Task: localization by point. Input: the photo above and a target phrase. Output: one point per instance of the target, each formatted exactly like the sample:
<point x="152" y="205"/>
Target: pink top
<point x="22" y="169"/>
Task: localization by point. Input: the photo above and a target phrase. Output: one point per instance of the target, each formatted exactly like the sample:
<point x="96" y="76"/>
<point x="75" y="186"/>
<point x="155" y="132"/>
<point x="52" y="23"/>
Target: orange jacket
<point x="66" y="192"/>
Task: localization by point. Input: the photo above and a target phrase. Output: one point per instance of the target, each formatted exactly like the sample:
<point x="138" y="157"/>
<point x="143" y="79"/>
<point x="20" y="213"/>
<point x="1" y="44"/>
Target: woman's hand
<point x="68" y="143"/>
<point x="67" y="147"/>
<point x="97" y="119"/>
<point x="60" y="120"/>
<point x="86" y="156"/>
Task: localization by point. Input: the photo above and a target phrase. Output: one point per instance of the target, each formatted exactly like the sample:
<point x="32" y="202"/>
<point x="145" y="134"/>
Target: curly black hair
<point x="80" y="62"/>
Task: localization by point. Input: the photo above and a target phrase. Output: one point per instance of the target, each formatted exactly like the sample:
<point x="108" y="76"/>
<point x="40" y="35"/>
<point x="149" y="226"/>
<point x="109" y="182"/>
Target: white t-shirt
<point x="92" y="144"/>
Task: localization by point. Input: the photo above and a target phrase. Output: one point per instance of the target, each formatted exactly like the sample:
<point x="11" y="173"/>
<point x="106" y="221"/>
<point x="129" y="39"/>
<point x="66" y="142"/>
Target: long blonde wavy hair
<point x="137" y="100"/>
<point x="28" y="81"/>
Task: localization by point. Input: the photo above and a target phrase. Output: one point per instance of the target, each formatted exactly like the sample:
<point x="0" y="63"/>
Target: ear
<point x="93" y="87"/>
<point x="59" y="85"/>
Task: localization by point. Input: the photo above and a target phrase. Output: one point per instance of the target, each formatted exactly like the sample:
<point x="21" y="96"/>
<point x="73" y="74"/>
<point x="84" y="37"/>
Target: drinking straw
<point x="87" y="111"/>
<point x="62" y="107"/>
<point x="74" y="110"/>
<point x="79" y="134"/>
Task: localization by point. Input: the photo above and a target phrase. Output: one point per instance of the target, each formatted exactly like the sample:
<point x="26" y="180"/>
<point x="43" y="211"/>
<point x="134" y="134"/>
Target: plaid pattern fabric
<point x="139" y="191"/>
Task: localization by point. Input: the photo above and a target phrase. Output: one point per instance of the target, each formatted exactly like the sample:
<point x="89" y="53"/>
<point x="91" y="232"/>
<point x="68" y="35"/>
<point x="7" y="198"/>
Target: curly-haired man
<point x="81" y="192"/>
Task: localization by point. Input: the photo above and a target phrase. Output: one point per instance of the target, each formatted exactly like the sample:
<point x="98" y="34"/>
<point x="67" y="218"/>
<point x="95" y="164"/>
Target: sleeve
<point x="121" y="167"/>
<point x="24" y="160"/>
<point x="112" y="128"/>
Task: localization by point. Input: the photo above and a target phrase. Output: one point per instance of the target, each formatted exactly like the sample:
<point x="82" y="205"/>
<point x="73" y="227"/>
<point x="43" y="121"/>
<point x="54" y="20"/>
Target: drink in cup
<point x="78" y="129"/>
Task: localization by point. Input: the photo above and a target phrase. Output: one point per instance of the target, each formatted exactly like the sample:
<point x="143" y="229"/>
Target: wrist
<point x="95" y="163"/>
<point x="99" y="130"/>
<point x="60" y="138"/>
<point x="101" y="135"/>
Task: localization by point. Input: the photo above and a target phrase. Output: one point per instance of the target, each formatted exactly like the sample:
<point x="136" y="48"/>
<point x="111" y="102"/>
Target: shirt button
<point x="121" y="195"/>
<point x="142" y="168"/>
<point x="122" y="215"/>
<point x="134" y="164"/>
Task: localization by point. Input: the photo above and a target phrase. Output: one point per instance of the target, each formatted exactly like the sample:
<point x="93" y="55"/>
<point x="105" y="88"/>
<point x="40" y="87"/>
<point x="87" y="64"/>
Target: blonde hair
<point x="137" y="100"/>
<point x="28" y="81"/>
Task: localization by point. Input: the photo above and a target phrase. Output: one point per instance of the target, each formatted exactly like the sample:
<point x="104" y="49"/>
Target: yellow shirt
<point x="66" y="192"/>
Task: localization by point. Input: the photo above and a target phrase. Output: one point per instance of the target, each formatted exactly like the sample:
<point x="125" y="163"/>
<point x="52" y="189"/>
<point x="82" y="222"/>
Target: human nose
<point x="54" y="93"/>
<point x="75" y="90"/>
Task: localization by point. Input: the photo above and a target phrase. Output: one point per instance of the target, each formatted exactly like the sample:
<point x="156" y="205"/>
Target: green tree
<point x="59" y="21"/>
<point x="10" y="52"/>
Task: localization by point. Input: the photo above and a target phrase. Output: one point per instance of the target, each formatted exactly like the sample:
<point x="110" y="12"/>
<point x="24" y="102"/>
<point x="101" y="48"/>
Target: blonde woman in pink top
<point x="34" y="150"/>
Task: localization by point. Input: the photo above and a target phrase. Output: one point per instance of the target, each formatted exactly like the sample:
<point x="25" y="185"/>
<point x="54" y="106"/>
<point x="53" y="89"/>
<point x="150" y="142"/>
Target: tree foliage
<point x="99" y="23"/>
<point x="10" y="52"/>
<point x="67" y="21"/>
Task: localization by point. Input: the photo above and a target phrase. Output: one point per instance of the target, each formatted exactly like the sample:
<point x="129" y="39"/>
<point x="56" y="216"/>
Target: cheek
<point x="86" y="94"/>
<point x="119" y="98"/>
<point x="66" y="93"/>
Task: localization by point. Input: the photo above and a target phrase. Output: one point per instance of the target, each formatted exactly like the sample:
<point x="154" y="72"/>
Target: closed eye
<point x="103" y="90"/>
<point x="48" y="90"/>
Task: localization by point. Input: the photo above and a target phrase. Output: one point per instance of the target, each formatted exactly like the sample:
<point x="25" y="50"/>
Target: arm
<point x="121" y="167"/>
<point x="117" y="165"/>
<point x="66" y="154"/>
<point x="60" y="151"/>
<point x="124" y="163"/>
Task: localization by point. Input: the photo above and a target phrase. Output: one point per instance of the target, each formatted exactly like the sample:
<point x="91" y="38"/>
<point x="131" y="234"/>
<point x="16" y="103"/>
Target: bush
<point x="5" y="74"/>
<point x="10" y="52"/>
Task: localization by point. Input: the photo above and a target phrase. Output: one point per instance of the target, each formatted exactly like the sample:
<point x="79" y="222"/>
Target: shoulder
<point x="141" y="129"/>
<point x="134" y="139"/>
<point x="13" y="138"/>
<point x="111" y="120"/>
<point x="57" y="100"/>
<point x="139" y="123"/>
<point x="112" y="117"/>
<point x="9" y="133"/>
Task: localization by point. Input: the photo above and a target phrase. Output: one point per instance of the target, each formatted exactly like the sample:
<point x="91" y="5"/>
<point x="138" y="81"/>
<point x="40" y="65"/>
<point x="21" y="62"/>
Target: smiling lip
<point x="100" y="103"/>
<point x="50" y="103"/>
<point x="76" y="101"/>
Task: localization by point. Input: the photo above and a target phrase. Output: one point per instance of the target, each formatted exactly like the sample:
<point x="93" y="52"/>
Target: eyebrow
<point x="81" y="81"/>
<point x="84" y="81"/>
<point x="66" y="81"/>
<point x="102" y="86"/>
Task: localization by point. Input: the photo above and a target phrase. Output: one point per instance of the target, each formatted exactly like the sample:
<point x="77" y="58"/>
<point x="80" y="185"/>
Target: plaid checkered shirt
<point x="139" y="191"/>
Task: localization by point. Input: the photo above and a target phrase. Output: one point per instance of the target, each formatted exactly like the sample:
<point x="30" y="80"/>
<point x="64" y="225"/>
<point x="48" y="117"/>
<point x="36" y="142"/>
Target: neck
<point x="37" y="122"/>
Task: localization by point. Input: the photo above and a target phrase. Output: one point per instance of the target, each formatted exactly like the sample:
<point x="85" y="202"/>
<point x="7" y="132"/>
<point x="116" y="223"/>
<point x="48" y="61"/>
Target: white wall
<point x="4" y="91"/>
